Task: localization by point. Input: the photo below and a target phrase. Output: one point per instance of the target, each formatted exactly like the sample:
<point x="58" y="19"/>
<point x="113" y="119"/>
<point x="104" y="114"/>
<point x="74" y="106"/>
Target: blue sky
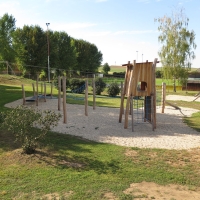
<point x="123" y="30"/>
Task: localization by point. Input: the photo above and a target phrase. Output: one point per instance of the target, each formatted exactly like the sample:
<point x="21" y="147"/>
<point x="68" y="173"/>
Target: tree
<point x="106" y="68"/>
<point x="176" y="52"/>
<point x="30" y="43"/>
<point x="63" y="51"/>
<point x="7" y="27"/>
<point x="89" y="58"/>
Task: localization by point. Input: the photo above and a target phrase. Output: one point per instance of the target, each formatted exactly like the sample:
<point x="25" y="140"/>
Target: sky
<point x="123" y="30"/>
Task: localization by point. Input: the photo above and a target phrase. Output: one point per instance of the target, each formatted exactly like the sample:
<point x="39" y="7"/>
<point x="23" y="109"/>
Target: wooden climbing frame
<point x="139" y="81"/>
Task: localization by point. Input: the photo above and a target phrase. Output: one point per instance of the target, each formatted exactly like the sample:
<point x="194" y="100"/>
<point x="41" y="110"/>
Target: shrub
<point x="159" y="74"/>
<point x="100" y="85"/>
<point x="22" y="120"/>
<point x="119" y="74"/>
<point x="56" y="83"/>
<point x="77" y="85"/>
<point x="113" y="89"/>
<point x="2" y="116"/>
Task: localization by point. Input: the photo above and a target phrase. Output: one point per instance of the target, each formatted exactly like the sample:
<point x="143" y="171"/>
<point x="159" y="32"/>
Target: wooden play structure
<point x="36" y="96"/>
<point x="139" y="82"/>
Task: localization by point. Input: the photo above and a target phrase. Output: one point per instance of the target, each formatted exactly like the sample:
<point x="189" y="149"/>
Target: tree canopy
<point x="89" y="58"/>
<point x="177" y="48"/>
<point x="106" y="68"/>
<point x="28" y="48"/>
<point x="7" y="27"/>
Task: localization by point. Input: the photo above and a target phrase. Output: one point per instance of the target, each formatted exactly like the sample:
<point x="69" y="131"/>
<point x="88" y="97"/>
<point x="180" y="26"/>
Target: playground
<point x="101" y="125"/>
<point x="147" y="123"/>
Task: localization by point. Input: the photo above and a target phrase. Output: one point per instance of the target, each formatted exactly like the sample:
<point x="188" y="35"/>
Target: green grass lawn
<point x="67" y="167"/>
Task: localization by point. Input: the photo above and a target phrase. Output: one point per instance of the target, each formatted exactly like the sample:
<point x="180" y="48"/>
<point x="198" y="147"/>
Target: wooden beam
<point x="23" y="93"/>
<point x="130" y="85"/>
<point x="64" y="101"/>
<point x="59" y="92"/>
<point x="86" y="97"/>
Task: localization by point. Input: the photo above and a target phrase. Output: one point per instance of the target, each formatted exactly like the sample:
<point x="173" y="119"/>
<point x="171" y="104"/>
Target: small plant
<point x="113" y="89"/>
<point x="29" y="126"/>
<point x="100" y="85"/>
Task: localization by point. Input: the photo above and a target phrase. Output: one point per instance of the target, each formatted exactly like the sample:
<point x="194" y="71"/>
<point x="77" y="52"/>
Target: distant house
<point x="193" y="84"/>
<point x="100" y="75"/>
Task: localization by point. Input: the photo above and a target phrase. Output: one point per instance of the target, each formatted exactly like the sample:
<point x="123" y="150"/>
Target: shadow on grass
<point x="7" y="141"/>
<point x="67" y="151"/>
<point x="9" y="94"/>
<point x="63" y="152"/>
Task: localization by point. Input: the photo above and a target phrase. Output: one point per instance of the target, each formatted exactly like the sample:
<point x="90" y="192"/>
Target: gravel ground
<point x="102" y="125"/>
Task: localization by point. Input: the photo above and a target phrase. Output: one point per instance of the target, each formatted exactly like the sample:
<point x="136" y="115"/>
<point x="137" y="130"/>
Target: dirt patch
<point x="174" y="158"/>
<point x="39" y="158"/>
<point x="56" y="196"/>
<point x="131" y="153"/>
<point x="110" y="196"/>
<point x="149" y="191"/>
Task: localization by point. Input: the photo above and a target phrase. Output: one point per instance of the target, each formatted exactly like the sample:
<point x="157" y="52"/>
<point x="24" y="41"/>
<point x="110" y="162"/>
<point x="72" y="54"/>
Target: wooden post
<point x="45" y="91"/>
<point x="152" y="112"/>
<point x="59" y="92"/>
<point x="23" y="93"/>
<point x="64" y="101"/>
<point x="132" y="119"/>
<point x="154" y="79"/>
<point x="163" y="97"/>
<point x="37" y="91"/>
<point x="52" y="89"/>
<point x="33" y="85"/>
<point x="130" y="86"/>
<point x="122" y="94"/>
<point x="41" y="85"/>
<point x="86" y="97"/>
<point x="94" y="92"/>
<point x="153" y="99"/>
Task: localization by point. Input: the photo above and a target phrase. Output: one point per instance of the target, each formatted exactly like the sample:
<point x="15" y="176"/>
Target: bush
<point x="77" y="85"/>
<point x="119" y="74"/>
<point x="159" y="74"/>
<point x="2" y="116"/>
<point x="113" y="89"/>
<point x="22" y="120"/>
<point x="100" y="85"/>
<point x="56" y="83"/>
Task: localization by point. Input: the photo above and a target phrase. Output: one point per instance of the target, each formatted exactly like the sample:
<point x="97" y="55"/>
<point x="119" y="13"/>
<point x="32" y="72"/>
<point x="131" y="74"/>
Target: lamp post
<point x="137" y="55"/>
<point x="48" y="51"/>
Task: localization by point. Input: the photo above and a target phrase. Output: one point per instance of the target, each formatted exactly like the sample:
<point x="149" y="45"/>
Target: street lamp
<point x="48" y="51"/>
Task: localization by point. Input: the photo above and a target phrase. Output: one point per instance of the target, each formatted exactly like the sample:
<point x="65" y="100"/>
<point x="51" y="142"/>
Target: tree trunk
<point x="174" y="84"/>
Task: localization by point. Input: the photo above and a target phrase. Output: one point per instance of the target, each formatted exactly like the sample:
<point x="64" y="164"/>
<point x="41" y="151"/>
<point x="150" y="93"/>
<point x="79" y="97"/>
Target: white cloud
<point x="72" y="26"/>
<point x="120" y="32"/>
<point x="8" y="6"/>
<point x="134" y="32"/>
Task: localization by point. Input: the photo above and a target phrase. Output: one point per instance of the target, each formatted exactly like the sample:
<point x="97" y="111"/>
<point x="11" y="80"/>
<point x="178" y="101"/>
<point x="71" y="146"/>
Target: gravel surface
<point x="102" y="125"/>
